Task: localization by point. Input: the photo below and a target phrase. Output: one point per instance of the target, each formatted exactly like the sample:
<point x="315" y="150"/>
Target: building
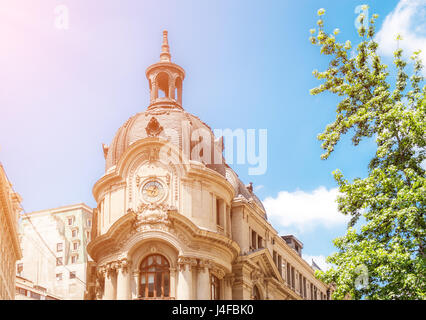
<point x="27" y="290"/>
<point x="54" y="250"/>
<point x="172" y="224"/>
<point x="10" y="250"/>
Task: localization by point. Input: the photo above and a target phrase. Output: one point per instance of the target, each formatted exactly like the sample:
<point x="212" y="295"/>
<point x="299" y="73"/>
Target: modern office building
<point x="54" y="244"/>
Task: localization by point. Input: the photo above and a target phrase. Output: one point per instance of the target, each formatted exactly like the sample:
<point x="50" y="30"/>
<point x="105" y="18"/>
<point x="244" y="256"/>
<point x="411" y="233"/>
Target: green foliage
<point x="389" y="242"/>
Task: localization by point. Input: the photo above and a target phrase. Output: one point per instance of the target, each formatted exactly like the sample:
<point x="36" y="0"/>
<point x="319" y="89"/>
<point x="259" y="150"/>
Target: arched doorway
<point x="154" y="277"/>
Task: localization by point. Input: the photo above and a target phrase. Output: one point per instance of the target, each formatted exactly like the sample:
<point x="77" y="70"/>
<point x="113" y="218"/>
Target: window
<point x="74" y="259"/>
<point x="288" y="274"/>
<point x="256" y="293"/>
<point x="21" y="291"/>
<point x="88" y="235"/>
<point x="280" y="265"/>
<point x="304" y="288"/>
<point x="154" y="277"/>
<point x="75" y="245"/>
<point x="218" y="212"/>
<point x="70" y="221"/>
<point x="59" y="261"/>
<point x="259" y="242"/>
<point x="35" y="296"/>
<point x="59" y="247"/>
<point x="215" y="287"/>
<point x="19" y="268"/>
<point x="253" y="239"/>
<point x="74" y="233"/>
<point x="72" y="275"/>
<point x="59" y="276"/>
<point x="89" y="223"/>
<point x="293" y="280"/>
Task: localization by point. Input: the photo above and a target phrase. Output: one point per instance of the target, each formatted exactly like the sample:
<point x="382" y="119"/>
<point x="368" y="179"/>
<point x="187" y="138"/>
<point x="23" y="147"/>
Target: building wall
<point x="9" y="241"/>
<point x="54" y="249"/>
<point x="27" y="290"/>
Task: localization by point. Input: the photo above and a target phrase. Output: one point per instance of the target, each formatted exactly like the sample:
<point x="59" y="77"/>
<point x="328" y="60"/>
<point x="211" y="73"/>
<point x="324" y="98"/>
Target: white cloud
<point x="319" y="260"/>
<point x="302" y="210"/>
<point x="409" y="20"/>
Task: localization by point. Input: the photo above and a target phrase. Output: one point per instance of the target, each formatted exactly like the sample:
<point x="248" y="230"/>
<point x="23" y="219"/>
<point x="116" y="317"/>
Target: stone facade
<point x="10" y="250"/>
<point x="169" y="225"/>
<point x="54" y="245"/>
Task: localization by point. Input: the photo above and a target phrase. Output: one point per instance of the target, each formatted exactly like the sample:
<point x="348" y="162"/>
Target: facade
<point x="27" y="290"/>
<point x="54" y="250"/>
<point x="10" y="250"/>
<point x="170" y="223"/>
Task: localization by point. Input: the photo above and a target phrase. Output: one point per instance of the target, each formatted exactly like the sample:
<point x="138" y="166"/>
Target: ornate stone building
<point x="10" y="250"/>
<point x="171" y="225"/>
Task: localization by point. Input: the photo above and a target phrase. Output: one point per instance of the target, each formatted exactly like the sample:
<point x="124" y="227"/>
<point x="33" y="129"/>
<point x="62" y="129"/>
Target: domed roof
<point x="167" y="123"/>
<point x="241" y="190"/>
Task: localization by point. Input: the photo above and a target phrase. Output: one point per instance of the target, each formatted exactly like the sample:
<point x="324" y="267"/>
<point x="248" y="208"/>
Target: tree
<point x="382" y="254"/>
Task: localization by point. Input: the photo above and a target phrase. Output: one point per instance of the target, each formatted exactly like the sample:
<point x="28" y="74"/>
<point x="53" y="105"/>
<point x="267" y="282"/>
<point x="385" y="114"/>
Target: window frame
<point x="157" y="271"/>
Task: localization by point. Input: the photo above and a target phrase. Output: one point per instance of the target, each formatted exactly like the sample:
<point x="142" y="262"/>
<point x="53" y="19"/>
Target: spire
<point x="165" y="49"/>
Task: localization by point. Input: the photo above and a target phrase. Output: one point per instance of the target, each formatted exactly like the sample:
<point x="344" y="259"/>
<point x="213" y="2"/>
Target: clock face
<point x="153" y="191"/>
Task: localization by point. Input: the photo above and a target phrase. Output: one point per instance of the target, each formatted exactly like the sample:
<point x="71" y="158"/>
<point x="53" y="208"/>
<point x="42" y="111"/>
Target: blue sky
<point x="248" y="65"/>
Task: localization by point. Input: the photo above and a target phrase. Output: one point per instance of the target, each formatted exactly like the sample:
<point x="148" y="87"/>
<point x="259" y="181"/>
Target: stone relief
<point x="153" y="129"/>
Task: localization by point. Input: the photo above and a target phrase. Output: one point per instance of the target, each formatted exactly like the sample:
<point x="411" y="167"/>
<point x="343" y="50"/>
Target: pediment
<point x="264" y="263"/>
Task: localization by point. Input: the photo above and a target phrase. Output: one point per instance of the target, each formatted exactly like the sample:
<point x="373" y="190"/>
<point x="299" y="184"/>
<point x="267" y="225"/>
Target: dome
<point x="165" y="122"/>
<point x="241" y="190"/>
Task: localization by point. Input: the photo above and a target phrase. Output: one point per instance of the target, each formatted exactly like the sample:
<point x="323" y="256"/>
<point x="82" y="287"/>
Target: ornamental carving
<point x="187" y="262"/>
<point x="124" y="264"/>
<point x="205" y="265"/>
<point x="257" y="276"/>
<point x="153" y="128"/>
<point x="151" y="214"/>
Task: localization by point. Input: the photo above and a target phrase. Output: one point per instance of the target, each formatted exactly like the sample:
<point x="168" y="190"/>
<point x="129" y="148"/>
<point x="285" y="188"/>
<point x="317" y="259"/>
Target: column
<point x="110" y="283"/>
<point x="123" y="280"/>
<point x="184" y="291"/>
<point x="134" y="284"/>
<point x="173" y="277"/>
<point x="100" y="283"/>
<point x="203" y="280"/>
<point x="228" y="282"/>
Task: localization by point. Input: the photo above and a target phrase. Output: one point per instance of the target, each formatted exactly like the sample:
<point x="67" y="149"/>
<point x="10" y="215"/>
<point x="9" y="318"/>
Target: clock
<point x="153" y="191"/>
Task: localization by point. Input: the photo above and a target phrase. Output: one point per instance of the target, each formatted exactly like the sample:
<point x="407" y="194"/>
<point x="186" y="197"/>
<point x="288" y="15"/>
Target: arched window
<point x="215" y="287"/>
<point x="256" y="293"/>
<point x="163" y="85"/>
<point x="154" y="277"/>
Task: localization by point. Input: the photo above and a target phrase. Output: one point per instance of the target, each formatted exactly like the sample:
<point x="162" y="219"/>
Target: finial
<point x="165" y="52"/>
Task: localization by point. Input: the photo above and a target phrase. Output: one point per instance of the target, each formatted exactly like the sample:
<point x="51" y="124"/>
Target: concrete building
<point x="54" y="250"/>
<point x="27" y="290"/>
<point x="170" y="224"/>
<point x="10" y="250"/>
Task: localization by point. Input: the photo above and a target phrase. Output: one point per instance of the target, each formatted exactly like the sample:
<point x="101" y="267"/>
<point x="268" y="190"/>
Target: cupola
<point x="165" y="80"/>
